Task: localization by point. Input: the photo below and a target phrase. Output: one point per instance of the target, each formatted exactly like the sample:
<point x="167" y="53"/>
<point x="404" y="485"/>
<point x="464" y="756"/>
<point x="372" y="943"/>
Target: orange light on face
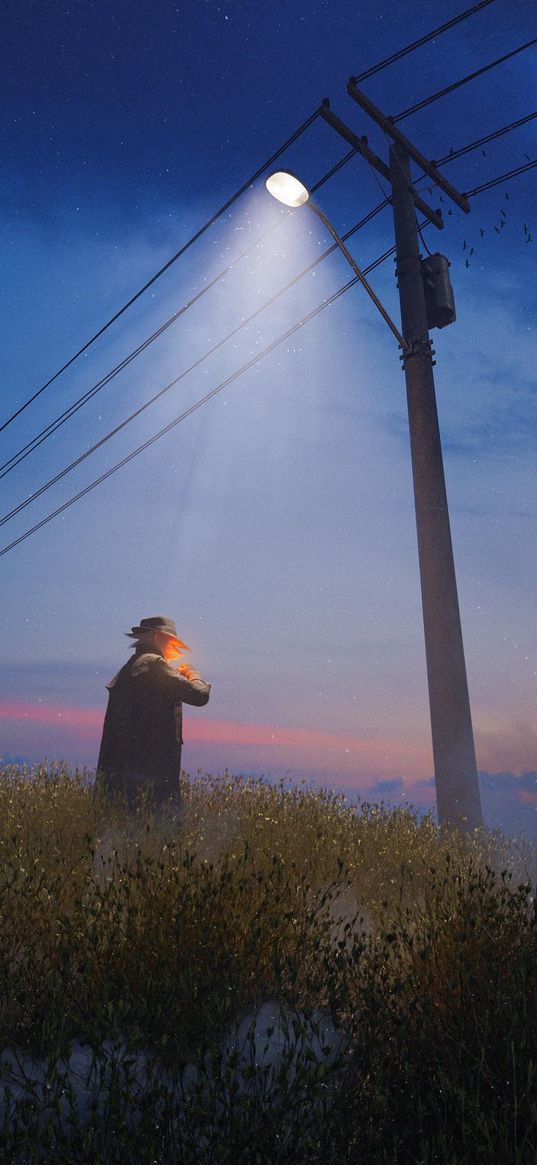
<point x="173" y="649"/>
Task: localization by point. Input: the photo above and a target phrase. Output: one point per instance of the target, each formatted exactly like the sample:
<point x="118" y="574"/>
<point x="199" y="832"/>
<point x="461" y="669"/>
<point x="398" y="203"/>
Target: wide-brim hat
<point x="159" y="623"/>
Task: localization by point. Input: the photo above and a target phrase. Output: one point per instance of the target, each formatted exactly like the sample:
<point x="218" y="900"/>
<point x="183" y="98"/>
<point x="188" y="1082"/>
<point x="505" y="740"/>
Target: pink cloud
<point x="57" y="728"/>
<point x="86" y="721"/>
<point x="39" y="729"/>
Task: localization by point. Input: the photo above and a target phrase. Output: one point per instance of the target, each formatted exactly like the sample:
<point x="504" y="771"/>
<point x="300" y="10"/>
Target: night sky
<point x="276" y="523"/>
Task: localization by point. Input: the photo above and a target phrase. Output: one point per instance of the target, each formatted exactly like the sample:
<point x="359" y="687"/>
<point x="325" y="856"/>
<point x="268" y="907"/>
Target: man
<point x="141" y="743"/>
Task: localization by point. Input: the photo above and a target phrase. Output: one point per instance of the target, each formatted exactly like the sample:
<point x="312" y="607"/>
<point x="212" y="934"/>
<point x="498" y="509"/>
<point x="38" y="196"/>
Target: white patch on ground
<point x="268" y="1044"/>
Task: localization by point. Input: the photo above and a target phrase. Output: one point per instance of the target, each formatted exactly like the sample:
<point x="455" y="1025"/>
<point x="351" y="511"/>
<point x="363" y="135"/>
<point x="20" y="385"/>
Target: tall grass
<point x="132" y="933"/>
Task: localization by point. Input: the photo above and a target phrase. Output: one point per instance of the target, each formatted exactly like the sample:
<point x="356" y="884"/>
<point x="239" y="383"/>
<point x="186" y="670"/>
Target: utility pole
<point x="457" y="784"/>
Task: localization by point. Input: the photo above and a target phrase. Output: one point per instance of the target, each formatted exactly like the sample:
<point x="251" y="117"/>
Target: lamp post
<point x="457" y="785"/>
<point x="287" y="188"/>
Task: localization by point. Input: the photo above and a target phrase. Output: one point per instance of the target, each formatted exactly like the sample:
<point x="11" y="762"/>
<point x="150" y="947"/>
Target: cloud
<point x="508" y="749"/>
<point x="72" y="733"/>
<point x="509" y="802"/>
<point x="86" y="721"/>
<point x="511" y="782"/>
<point x="509" y="799"/>
<point x="389" y="785"/>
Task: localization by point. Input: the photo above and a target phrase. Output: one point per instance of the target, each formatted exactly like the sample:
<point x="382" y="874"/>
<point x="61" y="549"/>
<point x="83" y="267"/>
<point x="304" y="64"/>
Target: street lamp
<point x="287" y="188"/>
<point x="457" y="785"/>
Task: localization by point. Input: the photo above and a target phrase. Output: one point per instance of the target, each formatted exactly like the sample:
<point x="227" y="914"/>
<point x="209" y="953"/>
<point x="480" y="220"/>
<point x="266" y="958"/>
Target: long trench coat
<point x="142" y="732"/>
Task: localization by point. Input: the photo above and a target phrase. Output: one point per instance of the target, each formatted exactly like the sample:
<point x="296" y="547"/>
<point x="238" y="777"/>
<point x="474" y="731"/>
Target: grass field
<point x="126" y="937"/>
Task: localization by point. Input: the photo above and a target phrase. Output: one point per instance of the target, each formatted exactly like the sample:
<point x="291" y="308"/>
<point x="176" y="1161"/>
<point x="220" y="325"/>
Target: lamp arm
<point x="406" y="347"/>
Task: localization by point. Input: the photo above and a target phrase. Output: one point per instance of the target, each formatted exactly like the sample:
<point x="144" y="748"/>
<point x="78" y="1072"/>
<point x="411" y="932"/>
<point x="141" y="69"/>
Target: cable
<point x="193" y="239"/>
<point x="501" y="178"/>
<point x="490" y="137"/>
<point x="243" y="324"/>
<point x="52" y="428"/>
<point x="54" y="425"/>
<point x="375" y="175"/>
<point x="416" y="44"/>
<point x="177" y="420"/>
<point x="463" y="81"/>
<point x="453" y="154"/>
<point x="420" y="232"/>
<point x="198" y="404"/>
<point x="309" y="121"/>
<point x="330" y="173"/>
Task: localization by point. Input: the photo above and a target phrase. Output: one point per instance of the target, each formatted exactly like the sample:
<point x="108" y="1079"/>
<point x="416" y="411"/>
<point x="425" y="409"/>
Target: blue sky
<point x="276" y="524"/>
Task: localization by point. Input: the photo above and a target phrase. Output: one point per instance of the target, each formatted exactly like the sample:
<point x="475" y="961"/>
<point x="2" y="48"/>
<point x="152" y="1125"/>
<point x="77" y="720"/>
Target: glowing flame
<point x="173" y="650"/>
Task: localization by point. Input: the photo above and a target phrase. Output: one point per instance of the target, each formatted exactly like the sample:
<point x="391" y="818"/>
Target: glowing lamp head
<point x="287" y="188"/>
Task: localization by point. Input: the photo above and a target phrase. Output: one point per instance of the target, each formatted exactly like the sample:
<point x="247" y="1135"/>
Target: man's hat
<point x="159" y="623"/>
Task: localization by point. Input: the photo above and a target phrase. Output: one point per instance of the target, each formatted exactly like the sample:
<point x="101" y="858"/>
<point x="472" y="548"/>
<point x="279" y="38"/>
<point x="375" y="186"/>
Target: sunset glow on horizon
<point x="300" y="746"/>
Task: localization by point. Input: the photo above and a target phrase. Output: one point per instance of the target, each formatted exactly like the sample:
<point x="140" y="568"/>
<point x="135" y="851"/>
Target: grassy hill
<point x="124" y="930"/>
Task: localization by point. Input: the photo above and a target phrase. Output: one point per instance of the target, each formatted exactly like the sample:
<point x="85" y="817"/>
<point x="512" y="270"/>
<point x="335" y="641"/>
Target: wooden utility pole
<point x="457" y="784"/>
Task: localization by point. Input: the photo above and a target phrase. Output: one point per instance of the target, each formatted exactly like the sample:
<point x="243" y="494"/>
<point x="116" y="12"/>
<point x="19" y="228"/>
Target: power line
<point x="193" y="239"/>
<point x="243" y="324"/>
<point x="416" y="44"/>
<point x="453" y="154"/>
<point x="330" y="173"/>
<point x="501" y="178"/>
<point x="177" y="420"/>
<point x="490" y="137"/>
<point x="424" y="241"/>
<point x="463" y="81"/>
<point x="198" y="404"/>
<point x="54" y="425"/>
